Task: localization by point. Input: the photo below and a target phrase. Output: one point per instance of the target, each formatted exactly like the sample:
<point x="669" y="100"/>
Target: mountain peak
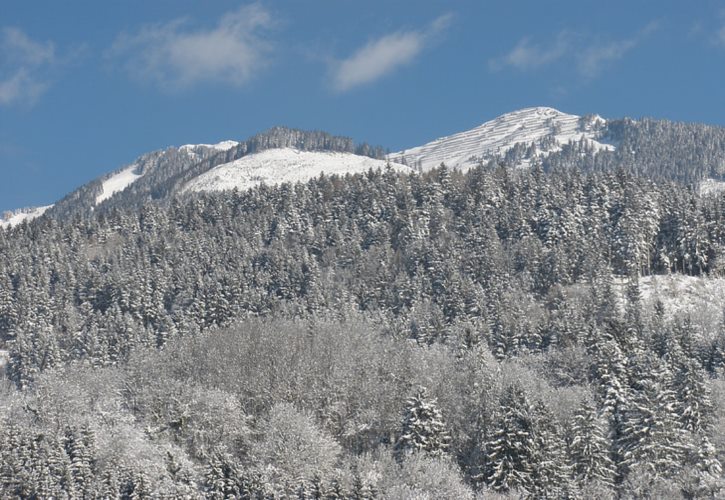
<point x="546" y="127"/>
<point x="536" y="110"/>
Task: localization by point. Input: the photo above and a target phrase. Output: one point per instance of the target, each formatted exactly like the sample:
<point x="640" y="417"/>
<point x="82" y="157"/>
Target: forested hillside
<point x="436" y="335"/>
<point x="686" y="153"/>
<point x="164" y="173"/>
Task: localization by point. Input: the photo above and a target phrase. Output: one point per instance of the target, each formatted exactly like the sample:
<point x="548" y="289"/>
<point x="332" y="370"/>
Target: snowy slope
<point x="25" y="214"/>
<point x="275" y="166"/>
<point x="701" y="298"/>
<point x="118" y="182"/>
<point x="121" y="179"/>
<point x="220" y="146"/>
<point x="711" y="187"/>
<point x="463" y="150"/>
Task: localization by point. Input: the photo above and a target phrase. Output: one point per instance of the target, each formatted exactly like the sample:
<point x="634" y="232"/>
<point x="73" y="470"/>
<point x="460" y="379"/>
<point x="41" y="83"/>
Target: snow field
<point x="277" y="166"/>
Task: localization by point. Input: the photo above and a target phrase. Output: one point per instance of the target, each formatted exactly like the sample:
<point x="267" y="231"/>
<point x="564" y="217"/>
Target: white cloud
<point x="22" y="86"/>
<point x="174" y="56"/>
<point x="527" y="56"/>
<point x="24" y="64"/>
<point x="377" y="59"/>
<point x="589" y="56"/>
<point x="594" y="58"/>
<point x="381" y="57"/>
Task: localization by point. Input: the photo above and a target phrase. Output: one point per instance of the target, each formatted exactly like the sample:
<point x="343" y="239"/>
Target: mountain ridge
<point x="519" y="139"/>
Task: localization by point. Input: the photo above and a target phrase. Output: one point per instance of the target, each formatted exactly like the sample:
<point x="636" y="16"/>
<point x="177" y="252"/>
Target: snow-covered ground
<point x="710" y="187"/>
<point x="200" y="151"/>
<point x="702" y="298"/>
<point x="465" y="149"/>
<point x="276" y="166"/>
<point x="118" y="182"/>
<point x="24" y="214"/>
<point x="220" y="146"/>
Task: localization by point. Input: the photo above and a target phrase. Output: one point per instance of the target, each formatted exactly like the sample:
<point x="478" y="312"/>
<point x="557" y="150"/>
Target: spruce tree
<point x="652" y="438"/>
<point x="512" y="449"/>
<point x="222" y="478"/>
<point x="423" y="428"/>
<point x="589" y="448"/>
<point x="551" y="474"/>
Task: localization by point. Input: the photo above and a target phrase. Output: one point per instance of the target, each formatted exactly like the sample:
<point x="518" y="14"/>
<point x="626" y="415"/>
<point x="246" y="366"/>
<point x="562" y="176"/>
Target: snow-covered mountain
<point x="276" y="166"/>
<point x="287" y="155"/>
<point x="547" y="128"/>
<point x="278" y="155"/>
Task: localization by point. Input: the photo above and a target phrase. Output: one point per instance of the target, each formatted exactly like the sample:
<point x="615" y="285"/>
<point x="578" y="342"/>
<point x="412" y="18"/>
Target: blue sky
<point x="86" y="86"/>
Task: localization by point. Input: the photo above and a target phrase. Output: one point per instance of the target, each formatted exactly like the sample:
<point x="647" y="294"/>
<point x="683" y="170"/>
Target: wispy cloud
<point x="23" y="67"/>
<point x="528" y="56"/>
<point x="717" y="36"/>
<point x="593" y="60"/>
<point x="721" y="36"/>
<point x="596" y="57"/>
<point x="172" y="55"/>
<point x="384" y="55"/>
<point x="589" y="56"/>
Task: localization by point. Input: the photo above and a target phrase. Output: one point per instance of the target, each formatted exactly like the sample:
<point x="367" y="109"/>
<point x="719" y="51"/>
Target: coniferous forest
<point x="427" y="335"/>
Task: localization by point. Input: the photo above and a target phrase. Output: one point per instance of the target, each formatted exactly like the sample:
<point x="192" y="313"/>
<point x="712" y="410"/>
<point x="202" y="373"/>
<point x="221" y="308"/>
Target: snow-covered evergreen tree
<point x="423" y="428"/>
<point x="589" y="448"/>
<point x="512" y="449"/>
<point x="652" y="438"/>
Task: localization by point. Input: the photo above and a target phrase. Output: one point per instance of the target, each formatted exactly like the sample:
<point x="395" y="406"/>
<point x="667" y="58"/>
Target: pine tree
<point x="335" y="491"/>
<point x="652" y="438"/>
<point x="694" y="406"/>
<point x="140" y="487"/>
<point x="317" y="489"/>
<point x="80" y="448"/>
<point x="110" y="485"/>
<point x="589" y="447"/>
<point x="512" y="449"/>
<point x="609" y="370"/>
<point x="361" y="491"/>
<point x="551" y="474"/>
<point x="423" y="428"/>
<point x="222" y="478"/>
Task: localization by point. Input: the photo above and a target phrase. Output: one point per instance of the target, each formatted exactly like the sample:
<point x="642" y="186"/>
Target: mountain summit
<point x="547" y="128"/>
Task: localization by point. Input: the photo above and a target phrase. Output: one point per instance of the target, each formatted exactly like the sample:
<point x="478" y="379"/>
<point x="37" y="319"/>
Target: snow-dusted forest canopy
<point x="487" y="334"/>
